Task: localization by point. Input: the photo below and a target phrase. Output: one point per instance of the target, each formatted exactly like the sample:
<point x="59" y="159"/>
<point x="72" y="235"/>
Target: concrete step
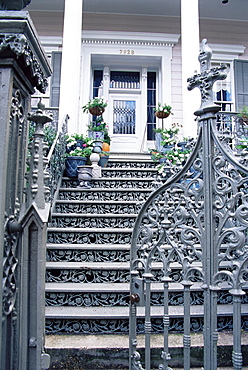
<point x="117" y="294"/>
<point x="98" y="207"/>
<point x="91" y="352"/>
<point x="88" y="253"/>
<point x="109" y="220"/>
<point x="130" y="157"/>
<point x="104" y="194"/>
<point x="111" y="313"/>
<point x="129" y="172"/>
<point x="126" y="182"/>
<point x="88" y="236"/>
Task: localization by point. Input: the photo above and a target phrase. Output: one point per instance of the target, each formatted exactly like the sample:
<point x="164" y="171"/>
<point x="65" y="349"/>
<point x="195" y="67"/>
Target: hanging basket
<point x="161" y="114"/>
<point x="96" y="111"/>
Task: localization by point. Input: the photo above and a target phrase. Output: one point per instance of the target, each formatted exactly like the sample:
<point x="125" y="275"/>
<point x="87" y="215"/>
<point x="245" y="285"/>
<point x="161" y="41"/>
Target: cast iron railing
<point x="198" y="220"/>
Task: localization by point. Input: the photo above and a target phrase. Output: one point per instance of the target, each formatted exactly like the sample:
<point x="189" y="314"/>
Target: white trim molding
<point x="130" y="38"/>
<point x="226" y="52"/>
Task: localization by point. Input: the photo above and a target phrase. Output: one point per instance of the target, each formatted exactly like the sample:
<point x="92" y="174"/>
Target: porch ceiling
<point x="212" y="9"/>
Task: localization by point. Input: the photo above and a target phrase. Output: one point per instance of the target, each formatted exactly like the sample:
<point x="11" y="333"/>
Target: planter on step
<point x="71" y="165"/>
<point x="103" y="162"/>
<point x="162" y="148"/>
<point x="96" y="135"/>
<point x="84" y="176"/>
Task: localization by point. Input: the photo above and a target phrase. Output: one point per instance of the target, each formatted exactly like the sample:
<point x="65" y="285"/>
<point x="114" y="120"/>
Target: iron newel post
<point x="38" y="190"/>
<point x="206" y="113"/>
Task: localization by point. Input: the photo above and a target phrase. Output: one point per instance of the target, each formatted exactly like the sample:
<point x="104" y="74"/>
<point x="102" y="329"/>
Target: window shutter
<point x="241" y="83"/>
<point x="55" y="80"/>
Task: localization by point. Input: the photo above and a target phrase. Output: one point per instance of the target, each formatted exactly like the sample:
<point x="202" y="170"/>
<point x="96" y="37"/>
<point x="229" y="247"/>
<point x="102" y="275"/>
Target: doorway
<point x="125" y="123"/>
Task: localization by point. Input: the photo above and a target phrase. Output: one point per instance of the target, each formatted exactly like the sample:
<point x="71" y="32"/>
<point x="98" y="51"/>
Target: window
<point x="55" y="80"/>
<point x="241" y="83"/>
<point x="97" y="82"/>
<point x="222" y="90"/>
<point x="125" y="80"/>
<point x="151" y="104"/>
<point x="124" y="116"/>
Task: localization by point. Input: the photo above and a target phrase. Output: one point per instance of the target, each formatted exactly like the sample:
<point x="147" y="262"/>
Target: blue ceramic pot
<point x="103" y="161"/>
<point x="72" y="163"/>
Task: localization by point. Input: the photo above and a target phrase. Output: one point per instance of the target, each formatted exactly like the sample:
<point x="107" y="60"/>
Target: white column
<point x="190" y="51"/>
<point x="70" y="68"/>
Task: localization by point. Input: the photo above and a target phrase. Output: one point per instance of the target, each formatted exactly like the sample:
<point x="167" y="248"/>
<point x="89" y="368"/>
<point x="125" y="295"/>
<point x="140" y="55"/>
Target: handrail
<point x="56" y="159"/>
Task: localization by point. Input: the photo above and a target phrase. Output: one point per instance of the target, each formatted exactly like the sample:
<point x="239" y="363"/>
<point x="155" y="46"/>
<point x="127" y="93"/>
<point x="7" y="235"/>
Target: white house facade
<point x="137" y="60"/>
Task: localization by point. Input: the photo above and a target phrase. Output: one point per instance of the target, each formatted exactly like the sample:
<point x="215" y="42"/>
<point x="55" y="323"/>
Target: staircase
<point x="88" y="248"/>
<point x="87" y="278"/>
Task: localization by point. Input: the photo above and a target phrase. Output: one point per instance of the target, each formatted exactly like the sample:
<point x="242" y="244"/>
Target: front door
<point x="125" y="126"/>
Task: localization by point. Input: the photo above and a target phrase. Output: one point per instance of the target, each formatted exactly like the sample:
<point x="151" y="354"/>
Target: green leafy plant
<point x="169" y="135"/>
<point x="100" y="125"/>
<point x="72" y="139"/>
<point x="163" y="108"/>
<point x="243" y="144"/>
<point x="79" y="145"/>
<point x="155" y="155"/>
<point x="243" y="113"/>
<point x="96" y="102"/>
<point x="79" y="152"/>
<point x="177" y="156"/>
<point x="49" y="133"/>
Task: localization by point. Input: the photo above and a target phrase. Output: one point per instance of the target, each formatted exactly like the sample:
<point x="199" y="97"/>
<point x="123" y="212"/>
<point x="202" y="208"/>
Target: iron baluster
<point x="186" y="324"/>
<point x="148" y="326"/>
<point x="166" y="321"/>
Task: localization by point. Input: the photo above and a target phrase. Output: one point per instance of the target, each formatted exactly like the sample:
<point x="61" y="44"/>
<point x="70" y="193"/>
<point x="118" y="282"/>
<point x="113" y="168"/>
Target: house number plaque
<point x="126" y="52"/>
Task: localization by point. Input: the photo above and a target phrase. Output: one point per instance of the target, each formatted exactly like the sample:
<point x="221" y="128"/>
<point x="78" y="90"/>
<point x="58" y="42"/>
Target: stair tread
<point x="100" y="201"/>
<point x="122" y="215"/>
<point x="99" y="341"/>
<point x="89" y="246"/>
<point x="134" y="169"/>
<point x="89" y="265"/>
<point x="90" y="230"/>
<point x="121" y="312"/>
<point x="110" y="287"/>
<point x="147" y="190"/>
<point x="128" y="178"/>
<point x="108" y="265"/>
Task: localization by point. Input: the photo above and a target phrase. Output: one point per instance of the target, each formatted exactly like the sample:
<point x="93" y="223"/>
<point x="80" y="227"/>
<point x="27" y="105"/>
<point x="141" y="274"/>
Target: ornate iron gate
<point x="24" y="218"/>
<point x="197" y="219"/>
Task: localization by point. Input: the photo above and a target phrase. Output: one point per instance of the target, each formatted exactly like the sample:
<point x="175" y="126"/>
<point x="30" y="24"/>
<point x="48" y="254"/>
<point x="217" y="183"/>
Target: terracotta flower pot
<point x="161" y="114"/>
<point x="96" y="111"/>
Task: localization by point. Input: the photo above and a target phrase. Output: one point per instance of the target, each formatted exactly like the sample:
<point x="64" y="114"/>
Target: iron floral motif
<point x="207" y="77"/>
<point x="62" y="255"/>
<point x="98" y="208"/>
<point x="19" y="45"/>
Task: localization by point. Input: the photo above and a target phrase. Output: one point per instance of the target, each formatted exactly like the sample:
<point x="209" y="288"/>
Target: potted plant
<point x="75" y="141"/>
<point x="104" y="157"/>
<point x="243" y="144"/>
<point x="186" y="143"/>
<point x="166" y="138"/>
<point x="243" y="114"/>
<point x="162" y="110"/>
<point x="77" y="156"/>
<point x="95" y="106"/>
<point x="96" y="129"/>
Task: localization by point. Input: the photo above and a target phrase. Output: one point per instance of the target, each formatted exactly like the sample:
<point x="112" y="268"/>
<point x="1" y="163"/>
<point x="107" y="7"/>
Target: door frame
<point x="126" y="142"/>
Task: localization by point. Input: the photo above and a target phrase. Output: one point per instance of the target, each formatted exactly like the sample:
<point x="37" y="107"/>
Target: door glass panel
<point x="124" y="115"/>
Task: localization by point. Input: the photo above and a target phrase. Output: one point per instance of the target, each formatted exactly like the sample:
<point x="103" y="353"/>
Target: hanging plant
<point x="95" y="106"/>
<point x="162" y="111"/>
